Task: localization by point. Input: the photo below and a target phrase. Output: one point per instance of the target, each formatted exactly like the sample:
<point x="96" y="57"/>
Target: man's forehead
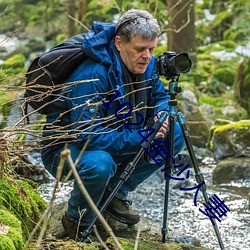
<point x="139" y="40"/>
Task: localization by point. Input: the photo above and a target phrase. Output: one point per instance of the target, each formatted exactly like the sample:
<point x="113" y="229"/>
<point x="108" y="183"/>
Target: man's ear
<point x="118" y="42"/>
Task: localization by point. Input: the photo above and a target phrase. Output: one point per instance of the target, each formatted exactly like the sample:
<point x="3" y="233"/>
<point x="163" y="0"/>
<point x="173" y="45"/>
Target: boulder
<point x="231" y="139"/>
<point x="197" y="125"/>
<point x="150" y="236"/>
<point x="231" y="169"/>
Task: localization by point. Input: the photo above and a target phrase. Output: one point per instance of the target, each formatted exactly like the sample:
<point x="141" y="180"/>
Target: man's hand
<point x="164" y="128"/>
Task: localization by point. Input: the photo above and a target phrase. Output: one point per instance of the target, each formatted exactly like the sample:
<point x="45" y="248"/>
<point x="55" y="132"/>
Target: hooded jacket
<point x="99" y="78"/>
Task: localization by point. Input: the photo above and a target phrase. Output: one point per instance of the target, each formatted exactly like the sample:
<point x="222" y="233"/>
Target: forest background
<point x="214" y="33"/>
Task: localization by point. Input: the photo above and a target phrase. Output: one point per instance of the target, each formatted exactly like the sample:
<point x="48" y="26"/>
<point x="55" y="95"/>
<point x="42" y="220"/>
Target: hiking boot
<point x="75" y="231"/>
<point x="121" y="211"/>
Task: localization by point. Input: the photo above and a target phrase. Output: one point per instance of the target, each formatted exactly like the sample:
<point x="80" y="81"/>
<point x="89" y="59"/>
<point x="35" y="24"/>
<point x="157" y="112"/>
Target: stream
<point x="184" y="218"/>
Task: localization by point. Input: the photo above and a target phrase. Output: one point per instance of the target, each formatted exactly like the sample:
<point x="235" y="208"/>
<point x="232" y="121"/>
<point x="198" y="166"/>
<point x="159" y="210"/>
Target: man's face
<point x="137" y="53"/>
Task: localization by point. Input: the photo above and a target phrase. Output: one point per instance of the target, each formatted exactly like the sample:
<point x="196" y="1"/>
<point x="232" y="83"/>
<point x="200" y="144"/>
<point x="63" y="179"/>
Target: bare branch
<point x="66" y="154"/>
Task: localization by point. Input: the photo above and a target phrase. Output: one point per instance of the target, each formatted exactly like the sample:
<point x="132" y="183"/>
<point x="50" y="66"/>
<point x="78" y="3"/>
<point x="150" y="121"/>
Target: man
<point x="107" y="114"/>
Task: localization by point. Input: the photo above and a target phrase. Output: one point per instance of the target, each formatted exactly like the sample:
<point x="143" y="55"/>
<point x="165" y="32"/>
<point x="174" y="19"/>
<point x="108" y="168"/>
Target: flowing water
<point x="184" y="218"/>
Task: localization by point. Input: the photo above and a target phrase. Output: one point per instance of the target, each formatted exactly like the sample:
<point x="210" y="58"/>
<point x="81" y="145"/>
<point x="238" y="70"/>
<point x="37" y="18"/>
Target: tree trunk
<point x="83" y="8"/>
<point x="71" y="6"/>
<point x="181" y="27"/>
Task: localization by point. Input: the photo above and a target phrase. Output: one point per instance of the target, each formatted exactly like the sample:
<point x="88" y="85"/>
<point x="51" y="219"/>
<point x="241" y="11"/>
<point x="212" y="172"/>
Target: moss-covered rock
<point x="231" y="139"/>
<point x="22" y="200"/>
<point x="150" y="235"/>
<point x="128" y="244"/>
<point x="10" y="231"/>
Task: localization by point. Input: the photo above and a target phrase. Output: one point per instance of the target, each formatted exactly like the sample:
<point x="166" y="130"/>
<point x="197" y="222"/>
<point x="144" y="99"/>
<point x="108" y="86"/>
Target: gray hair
<point x="137" y="22"/>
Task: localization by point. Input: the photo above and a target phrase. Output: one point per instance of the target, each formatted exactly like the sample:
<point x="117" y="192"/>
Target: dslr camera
<point x="171" y="65"/>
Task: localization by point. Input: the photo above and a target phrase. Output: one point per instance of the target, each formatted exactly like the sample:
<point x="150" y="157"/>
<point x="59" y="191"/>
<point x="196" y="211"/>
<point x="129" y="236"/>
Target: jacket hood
<point x="98" y="42"/>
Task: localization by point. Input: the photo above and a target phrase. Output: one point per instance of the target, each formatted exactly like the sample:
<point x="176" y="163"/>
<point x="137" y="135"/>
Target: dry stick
<point x="45" y="217"/>
<point x="99" y="238"/>
<point x="66" y="154"/>
<point x="137" y="236"/>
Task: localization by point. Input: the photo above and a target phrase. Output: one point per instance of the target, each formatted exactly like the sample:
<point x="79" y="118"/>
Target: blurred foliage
<point x="242" y="84"/>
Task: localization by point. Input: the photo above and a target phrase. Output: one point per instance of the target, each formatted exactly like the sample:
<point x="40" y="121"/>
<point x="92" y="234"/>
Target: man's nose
<point x="146" y="54"/>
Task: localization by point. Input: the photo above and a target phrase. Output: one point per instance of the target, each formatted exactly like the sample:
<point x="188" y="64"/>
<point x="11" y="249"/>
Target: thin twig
<point x="137" y="236"/>
<point x="99" y="238"/>
<point x="66" y="154"/>
<point x="77" y="21"/>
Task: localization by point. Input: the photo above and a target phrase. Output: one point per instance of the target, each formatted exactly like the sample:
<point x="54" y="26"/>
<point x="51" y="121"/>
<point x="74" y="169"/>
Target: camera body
<point x="171" y="65"/>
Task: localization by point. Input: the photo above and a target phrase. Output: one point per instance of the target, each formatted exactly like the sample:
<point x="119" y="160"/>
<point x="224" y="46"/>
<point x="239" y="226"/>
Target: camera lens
<point x="182" y="63"/>
<point x="170" y="64"/>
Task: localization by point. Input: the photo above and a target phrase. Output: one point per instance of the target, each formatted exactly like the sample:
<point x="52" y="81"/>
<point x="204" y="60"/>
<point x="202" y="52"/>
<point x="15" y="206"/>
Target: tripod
<point x="173" y="90"/>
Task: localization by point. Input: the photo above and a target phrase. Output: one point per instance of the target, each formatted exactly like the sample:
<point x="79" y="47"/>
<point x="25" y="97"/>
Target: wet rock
<point x="150" y="235"/>
<point x="232" y="139"/>
<point x="231" y="169"/>
<point x="197" y="125"/>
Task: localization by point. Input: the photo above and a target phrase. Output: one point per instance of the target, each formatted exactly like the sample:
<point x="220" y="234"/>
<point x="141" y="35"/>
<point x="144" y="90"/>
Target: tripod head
<point x="174" y="89"/>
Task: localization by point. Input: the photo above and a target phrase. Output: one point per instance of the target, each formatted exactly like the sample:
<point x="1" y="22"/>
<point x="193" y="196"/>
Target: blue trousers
<point x="100" y="170"/>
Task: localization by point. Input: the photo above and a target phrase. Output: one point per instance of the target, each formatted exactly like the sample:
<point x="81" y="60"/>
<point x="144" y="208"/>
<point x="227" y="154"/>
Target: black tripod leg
<point x="168" y="164"/>
<point x="198" y="175"/>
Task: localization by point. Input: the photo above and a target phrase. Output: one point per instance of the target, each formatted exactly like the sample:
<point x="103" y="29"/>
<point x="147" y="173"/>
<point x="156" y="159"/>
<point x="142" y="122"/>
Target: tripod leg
<point x="169" y="164"/>
<point x="198" y="175"/>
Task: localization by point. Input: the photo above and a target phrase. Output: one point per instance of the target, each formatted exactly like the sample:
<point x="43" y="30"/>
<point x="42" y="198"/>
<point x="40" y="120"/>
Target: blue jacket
<point x="88" y="117"/>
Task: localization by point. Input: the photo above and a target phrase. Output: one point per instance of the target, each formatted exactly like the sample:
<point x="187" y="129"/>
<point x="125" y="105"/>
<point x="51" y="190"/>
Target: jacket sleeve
<point x="88" y="115"/>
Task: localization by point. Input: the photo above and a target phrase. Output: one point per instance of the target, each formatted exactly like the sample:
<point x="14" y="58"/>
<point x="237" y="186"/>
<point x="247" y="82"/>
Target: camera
<point x="171" y="65"/>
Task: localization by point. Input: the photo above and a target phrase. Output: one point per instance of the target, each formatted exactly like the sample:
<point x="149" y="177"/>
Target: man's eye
<point x="139" y="50"/>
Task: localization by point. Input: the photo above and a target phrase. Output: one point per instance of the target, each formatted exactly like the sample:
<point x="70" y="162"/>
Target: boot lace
<point x="127" y="203"/>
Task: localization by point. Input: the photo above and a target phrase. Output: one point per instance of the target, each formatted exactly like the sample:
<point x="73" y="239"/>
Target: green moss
<point x="235" y="125"/>
<point x="228" y="45"/>
<point x="212" y="100"/>
<point x="13" y="239"/>
<point x="6" y="243"/>
<point x="16" y="61"/>
<point x="21" y="199"/>
<point x="219" y="102"/>
<point x="6" y="96"/>
<point x="239" y="128"/>
<point x="13" y="71"/>
<point x="225" y="75"/>
<point x="128" y="244"/>
<point x="16" y="237"/>
<point x="9" y="219"/>
<point x="91" y="247"/>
